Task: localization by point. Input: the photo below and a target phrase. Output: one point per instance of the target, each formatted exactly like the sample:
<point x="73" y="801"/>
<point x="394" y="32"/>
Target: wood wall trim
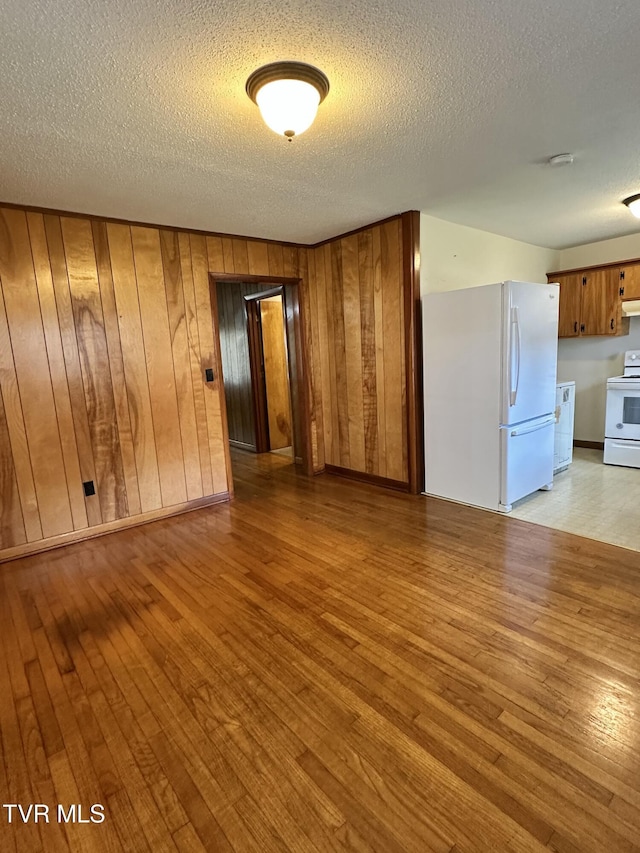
<point x="363" y="477"/>
<point x="592" y="445"/>
<point x="413" y="348"/>
<point x="608" y="265"/>
<point x="110" y="527"/>
<point x="255" y="279"/>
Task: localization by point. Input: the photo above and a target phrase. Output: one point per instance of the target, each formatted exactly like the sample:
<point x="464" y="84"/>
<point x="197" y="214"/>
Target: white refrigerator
<point x="490" y="360"/>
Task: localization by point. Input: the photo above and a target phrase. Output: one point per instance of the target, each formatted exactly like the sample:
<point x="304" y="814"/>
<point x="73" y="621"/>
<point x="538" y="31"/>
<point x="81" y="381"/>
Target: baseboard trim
<point x="241" y="445"/>
<point x="592" y="445"/>
<point x="42" y="545"/>
<point x="363" y="477"/>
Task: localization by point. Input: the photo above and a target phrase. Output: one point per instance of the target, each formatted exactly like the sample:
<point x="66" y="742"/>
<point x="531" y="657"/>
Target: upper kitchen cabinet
<point x="590" y="302"/>
<point x="629" y="280"/>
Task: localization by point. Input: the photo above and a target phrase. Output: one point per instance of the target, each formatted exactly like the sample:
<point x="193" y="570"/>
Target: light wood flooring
<point x="324" y="666"/>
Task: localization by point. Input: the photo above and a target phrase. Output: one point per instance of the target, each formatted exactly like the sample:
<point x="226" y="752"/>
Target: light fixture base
<point x="287" y="71"/>
<point x="633" y="203"/>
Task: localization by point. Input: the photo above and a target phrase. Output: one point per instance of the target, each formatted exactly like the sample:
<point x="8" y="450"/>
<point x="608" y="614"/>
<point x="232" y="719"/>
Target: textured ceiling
<point x="452" y="107"/>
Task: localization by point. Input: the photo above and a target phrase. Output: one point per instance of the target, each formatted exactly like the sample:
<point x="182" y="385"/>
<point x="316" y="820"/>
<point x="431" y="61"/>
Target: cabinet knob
<point x="612" y="324"/>
<point x="575" y="326"/>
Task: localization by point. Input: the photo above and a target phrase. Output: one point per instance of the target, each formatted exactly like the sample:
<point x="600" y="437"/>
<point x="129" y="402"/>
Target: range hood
<point x="631" y="308"/>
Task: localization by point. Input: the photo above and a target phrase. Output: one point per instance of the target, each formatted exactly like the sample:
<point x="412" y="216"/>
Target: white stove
<point x="622" y="423"/>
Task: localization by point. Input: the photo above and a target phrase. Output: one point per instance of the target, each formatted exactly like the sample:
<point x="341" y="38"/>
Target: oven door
<point x="623" y="410"/>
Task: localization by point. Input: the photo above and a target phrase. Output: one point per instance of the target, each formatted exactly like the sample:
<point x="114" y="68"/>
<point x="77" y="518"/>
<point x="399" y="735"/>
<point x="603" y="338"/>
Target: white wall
<point x="454" y="256"/>
<point x="604" y="252"/>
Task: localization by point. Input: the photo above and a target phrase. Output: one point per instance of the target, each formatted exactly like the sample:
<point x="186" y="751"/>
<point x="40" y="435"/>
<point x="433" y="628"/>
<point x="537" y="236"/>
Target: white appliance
<point x="490" y="389"/>
<point x="622" y="421"/>
<point x="563" y="435"/>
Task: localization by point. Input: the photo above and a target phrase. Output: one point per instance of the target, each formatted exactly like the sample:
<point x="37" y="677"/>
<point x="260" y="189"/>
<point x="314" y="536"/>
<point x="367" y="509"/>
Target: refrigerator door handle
<point x="515" y="339"/>
<point x="545" y="423"/>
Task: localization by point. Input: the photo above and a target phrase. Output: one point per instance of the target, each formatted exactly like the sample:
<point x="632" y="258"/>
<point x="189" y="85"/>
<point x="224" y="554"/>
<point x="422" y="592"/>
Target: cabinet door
<point x="616" y="324"/>
<point x="570" y="299"/>
<point x="630" y="281"/>
<point x="595" y="316"/>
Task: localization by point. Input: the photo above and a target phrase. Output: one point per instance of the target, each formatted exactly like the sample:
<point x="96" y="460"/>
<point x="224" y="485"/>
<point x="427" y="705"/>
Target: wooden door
<point x="570" y="303"/>
<point x="276" y="372"/>
<point x="595" y="319"/>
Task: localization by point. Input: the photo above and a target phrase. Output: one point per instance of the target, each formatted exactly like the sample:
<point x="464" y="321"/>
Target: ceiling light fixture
<point x="633" y="203"/>
<point x="288" y="95"/>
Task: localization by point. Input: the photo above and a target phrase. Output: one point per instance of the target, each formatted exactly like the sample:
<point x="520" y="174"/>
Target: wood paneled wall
<point x="106" y="331"/>
<point x="357" y="299"/>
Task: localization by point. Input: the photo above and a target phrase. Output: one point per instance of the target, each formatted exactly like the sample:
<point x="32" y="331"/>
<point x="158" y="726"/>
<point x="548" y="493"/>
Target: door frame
<point x="300" y="342"/>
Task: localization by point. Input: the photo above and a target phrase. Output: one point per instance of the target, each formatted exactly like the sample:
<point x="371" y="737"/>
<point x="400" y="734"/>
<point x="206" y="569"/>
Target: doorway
<point x="262" y="357"/>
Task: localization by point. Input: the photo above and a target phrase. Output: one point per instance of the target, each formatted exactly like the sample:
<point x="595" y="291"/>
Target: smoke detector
<point x="561" y="160"/>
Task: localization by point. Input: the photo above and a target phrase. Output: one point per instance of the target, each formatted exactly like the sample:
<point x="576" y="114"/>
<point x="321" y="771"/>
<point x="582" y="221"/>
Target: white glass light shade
<point x="288" y="107"/>
<point x="288" y="95"/>
<point x="633" y="204"/>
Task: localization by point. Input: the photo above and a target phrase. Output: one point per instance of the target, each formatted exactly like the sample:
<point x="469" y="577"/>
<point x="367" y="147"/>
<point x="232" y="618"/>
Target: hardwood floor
<point x="323" y="665"/>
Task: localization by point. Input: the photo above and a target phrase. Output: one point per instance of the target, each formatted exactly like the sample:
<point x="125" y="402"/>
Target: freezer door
<point x="526" y="458"/>
<point x="530" y="350"/>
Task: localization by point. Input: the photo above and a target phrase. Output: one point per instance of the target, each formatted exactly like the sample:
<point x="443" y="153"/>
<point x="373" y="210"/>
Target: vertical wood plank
<point x="339" y="347"/>
<point x="353" y="350"/>
<point x="215" y="255"/>
<point x="135" y="368"/>
<point x="72" y="362"/>
<point x="112" y="333"/>
<point x="240" y="256"/>
<point x="32" y="372"/>
<point x="290" y="261"/>
<point x="181" y="361"/>
<point x="309" y="296"/>
<point x="200" y="269"/>
<point x="334" y="456"/>
<point x="12" y="530"/>
<point x="258" y="257"/>
<point x="227" y="254"/>
<point x="193" y="336"/>
<point x="317" y="290"/>
<point x="276" y="259"/>
<point x="17" y="432"/>
<point x="147" y="259"/>
<point x="368" y="346"/>
<point x="412" y="371"/>
<point x="378" y="309"/>
<point x="394" y="388"/>
<point x="51" y="327"/>
<point x="77" y="240"/>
